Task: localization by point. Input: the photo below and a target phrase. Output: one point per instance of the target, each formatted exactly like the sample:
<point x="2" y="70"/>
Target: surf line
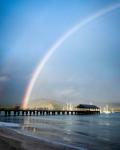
<point x="57" y="44"/>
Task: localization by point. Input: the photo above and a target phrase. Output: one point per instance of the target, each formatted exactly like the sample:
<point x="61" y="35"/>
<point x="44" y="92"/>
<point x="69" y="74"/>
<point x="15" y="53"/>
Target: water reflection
<point x="94" y="132"/>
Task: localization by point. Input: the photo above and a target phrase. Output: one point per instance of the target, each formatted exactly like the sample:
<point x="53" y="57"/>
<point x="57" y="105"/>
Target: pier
<point x="27" y="112"/>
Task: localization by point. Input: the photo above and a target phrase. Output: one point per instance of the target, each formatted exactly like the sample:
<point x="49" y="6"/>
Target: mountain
<point x="45" y="104"/>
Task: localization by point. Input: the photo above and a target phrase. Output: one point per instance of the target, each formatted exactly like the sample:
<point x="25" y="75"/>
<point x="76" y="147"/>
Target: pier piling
<point x="21" y="112"/>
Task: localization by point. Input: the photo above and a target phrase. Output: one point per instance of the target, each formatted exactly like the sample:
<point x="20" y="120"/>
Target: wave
<point x="9" y="124"/>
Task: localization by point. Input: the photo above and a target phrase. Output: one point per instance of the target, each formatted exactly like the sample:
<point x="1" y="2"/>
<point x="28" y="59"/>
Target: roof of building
<point x="87" y="106"/>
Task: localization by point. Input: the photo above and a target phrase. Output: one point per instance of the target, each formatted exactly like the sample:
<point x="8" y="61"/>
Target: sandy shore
<point x="11" y="140"/>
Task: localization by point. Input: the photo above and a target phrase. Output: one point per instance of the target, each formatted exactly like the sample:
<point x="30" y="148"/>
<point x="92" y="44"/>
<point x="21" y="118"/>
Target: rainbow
<point x="54" y="47"/>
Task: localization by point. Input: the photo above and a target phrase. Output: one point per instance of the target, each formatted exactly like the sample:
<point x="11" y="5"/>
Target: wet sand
<point x="11" y="140"/>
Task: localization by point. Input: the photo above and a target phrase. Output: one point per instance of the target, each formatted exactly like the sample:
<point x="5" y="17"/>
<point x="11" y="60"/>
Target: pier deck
<point x="12" y="112"/>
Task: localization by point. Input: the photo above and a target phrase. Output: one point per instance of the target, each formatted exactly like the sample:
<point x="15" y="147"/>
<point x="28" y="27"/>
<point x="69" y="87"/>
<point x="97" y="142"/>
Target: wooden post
<point x="37" y="112"/>
<point x="14" y="112"/>
<point x="67" y="112"/>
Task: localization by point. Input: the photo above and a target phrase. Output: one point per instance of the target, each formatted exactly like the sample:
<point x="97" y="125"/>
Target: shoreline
<point x="12" y="140"/>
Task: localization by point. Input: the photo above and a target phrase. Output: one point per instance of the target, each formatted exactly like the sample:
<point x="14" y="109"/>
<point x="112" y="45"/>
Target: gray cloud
<point x="4" y="78"/>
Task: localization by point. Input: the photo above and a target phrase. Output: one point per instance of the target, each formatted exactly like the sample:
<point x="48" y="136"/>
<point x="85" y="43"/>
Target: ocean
<point x="87" y="132"/>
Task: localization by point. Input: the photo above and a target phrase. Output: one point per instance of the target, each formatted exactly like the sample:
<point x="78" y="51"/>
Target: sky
<point x="84" y="69"/>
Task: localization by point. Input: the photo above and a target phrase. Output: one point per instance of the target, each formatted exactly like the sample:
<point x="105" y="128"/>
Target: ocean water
<point x="87" y="132"/>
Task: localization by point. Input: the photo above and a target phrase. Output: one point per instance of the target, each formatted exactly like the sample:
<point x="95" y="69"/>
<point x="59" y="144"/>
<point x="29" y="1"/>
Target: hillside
<point x="45" y="104"/>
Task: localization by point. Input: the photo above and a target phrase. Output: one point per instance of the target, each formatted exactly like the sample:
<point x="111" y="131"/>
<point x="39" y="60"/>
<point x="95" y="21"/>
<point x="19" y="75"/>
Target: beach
<point x="11" y="140"/>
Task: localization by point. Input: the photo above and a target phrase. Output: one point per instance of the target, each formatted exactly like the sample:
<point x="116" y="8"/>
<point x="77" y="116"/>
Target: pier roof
<point x="87" y="106"/>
